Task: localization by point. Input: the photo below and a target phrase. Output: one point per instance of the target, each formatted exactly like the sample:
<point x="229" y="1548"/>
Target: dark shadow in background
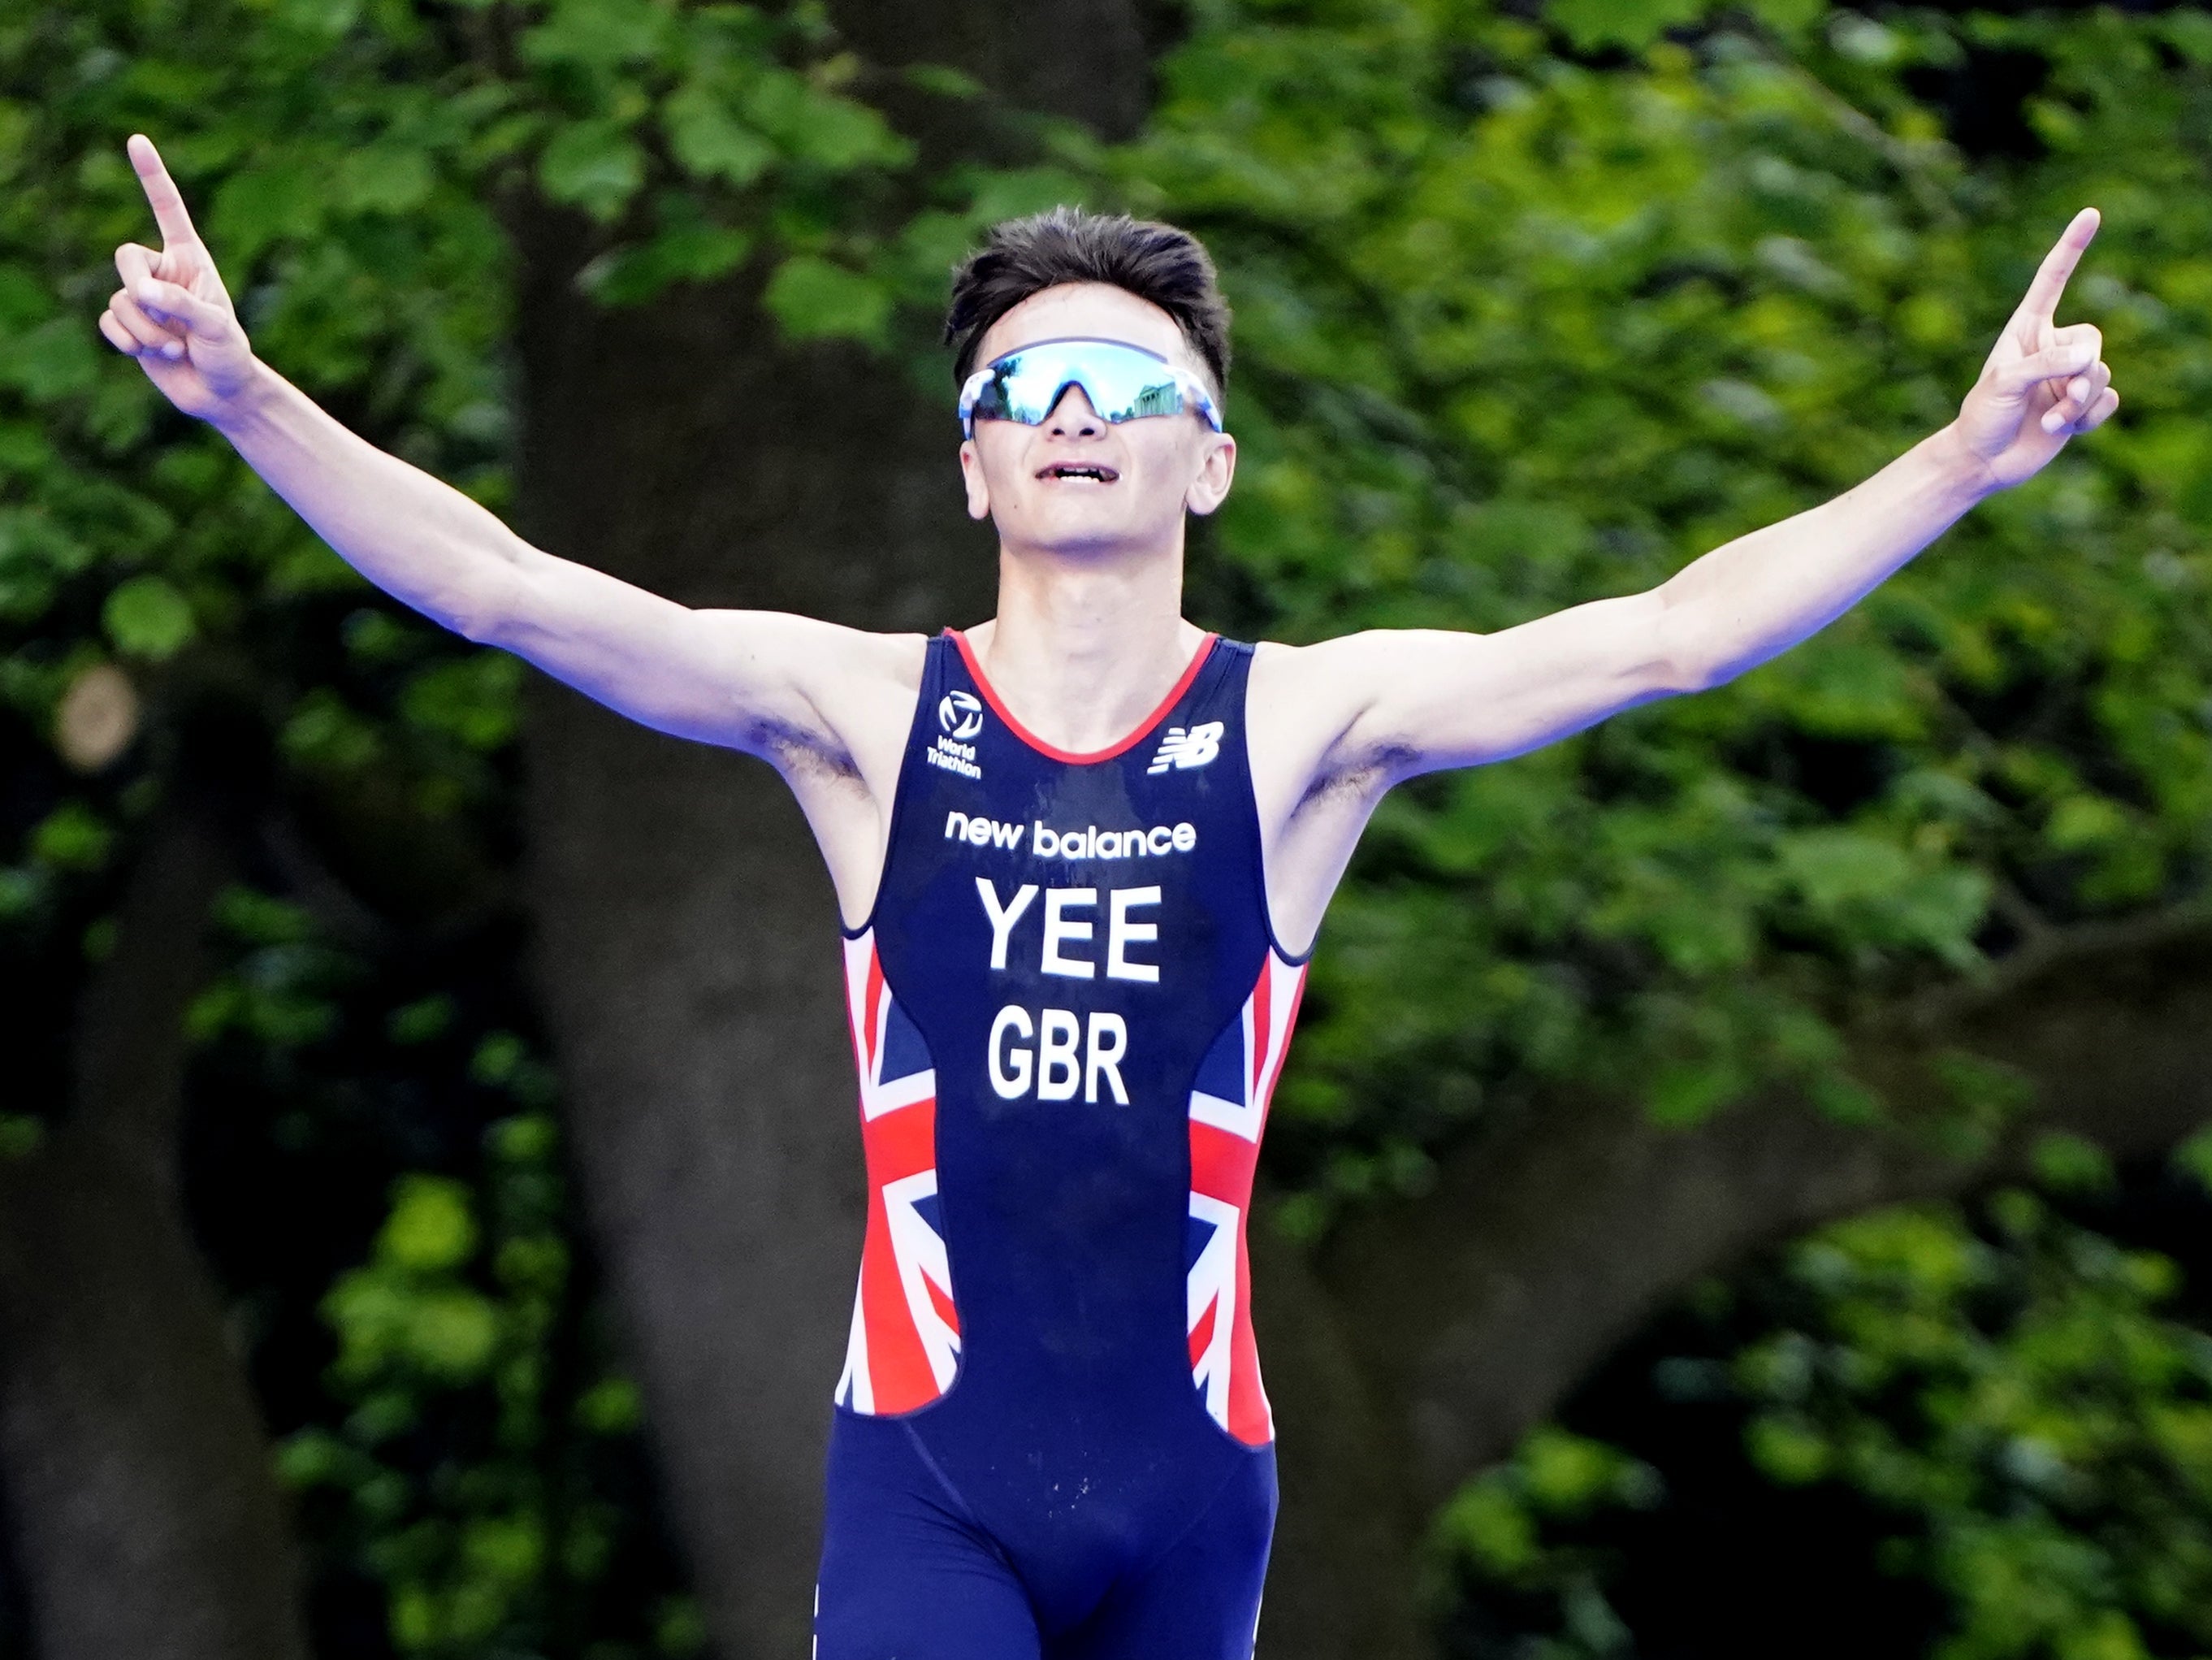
<point x="1728" y="1565"/>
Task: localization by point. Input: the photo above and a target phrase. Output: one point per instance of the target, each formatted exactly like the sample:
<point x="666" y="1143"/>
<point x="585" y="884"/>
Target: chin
<point x="1097" y="547"/>
<point x="1078" y="534"/>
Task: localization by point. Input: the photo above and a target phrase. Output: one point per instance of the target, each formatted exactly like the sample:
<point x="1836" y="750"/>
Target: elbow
<point x="467" y="616"/>
<point x="486" y="611"/>
<point x="481" y="625"/>
<point x="1691" y="672"/>
<point x="1684" y="656"/>
<point x="1700" y="641"/>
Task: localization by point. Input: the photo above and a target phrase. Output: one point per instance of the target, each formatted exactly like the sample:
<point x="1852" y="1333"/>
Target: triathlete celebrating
<point x="1081" y="850"/>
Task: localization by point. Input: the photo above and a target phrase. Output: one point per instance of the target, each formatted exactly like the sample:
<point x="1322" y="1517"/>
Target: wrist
<point x="1964" y="472"/>
<point x="240" y="410"/>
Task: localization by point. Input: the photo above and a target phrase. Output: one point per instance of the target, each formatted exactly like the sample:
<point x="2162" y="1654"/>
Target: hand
<point x="2042" y="384"/>
<point x="172" y="313"/>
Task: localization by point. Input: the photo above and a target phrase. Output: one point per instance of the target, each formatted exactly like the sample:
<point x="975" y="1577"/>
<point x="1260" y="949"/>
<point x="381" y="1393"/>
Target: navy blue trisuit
<point x="1069" y="1012"/>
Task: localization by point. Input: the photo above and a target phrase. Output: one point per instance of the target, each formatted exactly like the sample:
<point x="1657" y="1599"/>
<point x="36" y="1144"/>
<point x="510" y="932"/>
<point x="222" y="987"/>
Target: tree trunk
<point x="135" y="1479"/>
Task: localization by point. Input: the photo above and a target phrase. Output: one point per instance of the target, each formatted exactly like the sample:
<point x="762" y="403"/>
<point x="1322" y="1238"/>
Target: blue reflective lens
<point x="1123" y="383"/>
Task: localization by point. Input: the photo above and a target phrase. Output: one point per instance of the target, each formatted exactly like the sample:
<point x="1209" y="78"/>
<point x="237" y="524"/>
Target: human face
<point x="1076" y="484"/>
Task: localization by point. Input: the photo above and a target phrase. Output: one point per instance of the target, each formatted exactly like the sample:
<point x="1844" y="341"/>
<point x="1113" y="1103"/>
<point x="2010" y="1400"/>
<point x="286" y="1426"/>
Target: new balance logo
<point x="1183" y="750"/>
<point x="1089" y="842"/>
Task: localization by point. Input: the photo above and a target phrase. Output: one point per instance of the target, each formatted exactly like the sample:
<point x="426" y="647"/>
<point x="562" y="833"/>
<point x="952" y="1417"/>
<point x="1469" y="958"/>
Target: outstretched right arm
<point x="745" y="679"/>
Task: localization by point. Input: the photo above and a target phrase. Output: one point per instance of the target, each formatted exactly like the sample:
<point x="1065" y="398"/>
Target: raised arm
<point x="1402" y="702"/>
<point x="746" y="679"/>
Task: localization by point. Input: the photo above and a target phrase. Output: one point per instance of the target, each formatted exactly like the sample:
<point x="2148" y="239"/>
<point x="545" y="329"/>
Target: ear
<point x="971" y="475"/>
<point x="1216" y="469"/>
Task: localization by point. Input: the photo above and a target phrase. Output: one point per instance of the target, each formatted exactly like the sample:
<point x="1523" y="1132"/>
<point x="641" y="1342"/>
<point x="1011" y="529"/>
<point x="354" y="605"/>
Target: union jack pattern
<point x="905" y="1343"/>
<point x="1228" y="1112"/>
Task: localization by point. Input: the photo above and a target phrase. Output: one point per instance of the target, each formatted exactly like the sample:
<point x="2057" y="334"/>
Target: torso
<point x="1069" y="1011"/>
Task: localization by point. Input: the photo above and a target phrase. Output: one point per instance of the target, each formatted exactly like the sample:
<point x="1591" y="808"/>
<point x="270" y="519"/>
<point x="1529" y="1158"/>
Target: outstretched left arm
<point x="1415" y="701"/>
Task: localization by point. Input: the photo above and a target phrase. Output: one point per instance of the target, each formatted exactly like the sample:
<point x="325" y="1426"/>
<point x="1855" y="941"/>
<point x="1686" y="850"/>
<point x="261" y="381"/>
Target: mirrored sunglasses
<point x="1123" y="383"/>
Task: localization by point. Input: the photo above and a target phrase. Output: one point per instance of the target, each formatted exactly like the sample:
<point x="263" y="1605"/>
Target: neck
<point x="1085" y="647"/>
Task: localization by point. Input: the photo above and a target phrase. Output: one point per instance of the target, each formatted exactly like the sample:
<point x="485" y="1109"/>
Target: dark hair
<point x="1155" y="262"/>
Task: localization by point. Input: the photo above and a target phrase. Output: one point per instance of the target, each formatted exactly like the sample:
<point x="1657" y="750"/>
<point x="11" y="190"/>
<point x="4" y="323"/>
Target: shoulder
<point x="1308" y="687"/>
<point x="830" y="648"/>
<point x="1342" y="672"/>
<point x="820" y="695"/>
<point x="853" y="674"/>
<point x="900" y="658"/>
<point x="1349" y="707"/>
<point x="1302" y="702"/>
<point x="827" y="664"/>
<point x="1356" y="670"/>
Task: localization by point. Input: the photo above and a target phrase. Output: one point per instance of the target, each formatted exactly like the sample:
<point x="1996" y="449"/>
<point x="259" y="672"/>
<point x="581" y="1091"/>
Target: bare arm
<point x="733" y="678"/>
<point x="1402" y="702"/>
<point x="740" y="679"/>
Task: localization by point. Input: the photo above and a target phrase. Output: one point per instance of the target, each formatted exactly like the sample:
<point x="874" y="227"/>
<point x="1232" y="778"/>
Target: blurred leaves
<point x="147" y="618"/>
<point x="2053" y="1457"/>
<point x="1517" y="331"/>
<point x="466" y="1475"/>
<point x="815" y="300"/>
<point x="2020" y="1404"/>
<point x="1589" y="24"/>
<point x="595" y="165"/>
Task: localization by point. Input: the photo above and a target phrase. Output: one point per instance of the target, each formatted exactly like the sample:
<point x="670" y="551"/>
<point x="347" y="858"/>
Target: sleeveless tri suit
<point x="1069" y="1011"/>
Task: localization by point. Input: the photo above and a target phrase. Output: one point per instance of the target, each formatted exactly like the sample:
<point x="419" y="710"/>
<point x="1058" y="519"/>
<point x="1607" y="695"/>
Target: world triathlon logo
<point x="960" y="715"/>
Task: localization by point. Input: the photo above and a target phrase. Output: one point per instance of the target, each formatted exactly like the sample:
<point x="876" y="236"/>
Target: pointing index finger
<point x="161" y="192"/>
<point x="2041" y="305"/>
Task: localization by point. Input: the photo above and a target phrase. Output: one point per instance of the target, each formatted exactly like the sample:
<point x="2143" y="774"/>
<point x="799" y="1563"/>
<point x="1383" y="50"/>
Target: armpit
<point x="794" y="750"/>
<point x="1360" y="777"/>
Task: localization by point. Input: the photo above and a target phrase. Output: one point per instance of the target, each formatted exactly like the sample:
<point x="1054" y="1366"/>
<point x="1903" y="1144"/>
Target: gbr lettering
<point x="1062" y="1056"/>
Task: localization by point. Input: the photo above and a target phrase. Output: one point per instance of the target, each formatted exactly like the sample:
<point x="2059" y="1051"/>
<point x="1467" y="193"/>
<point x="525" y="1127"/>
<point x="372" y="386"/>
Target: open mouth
<point x="1096" y="473"/>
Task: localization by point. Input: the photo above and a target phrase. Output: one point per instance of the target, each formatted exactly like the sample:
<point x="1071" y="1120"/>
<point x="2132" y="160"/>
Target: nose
<point x="1073" y="416"/>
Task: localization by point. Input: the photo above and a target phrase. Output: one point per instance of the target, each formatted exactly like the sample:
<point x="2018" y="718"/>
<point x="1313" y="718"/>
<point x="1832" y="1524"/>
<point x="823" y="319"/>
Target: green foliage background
<point x="1996" y="1416"/>
<point x="1517" y="331"/>
<point x="1533" y="307"/>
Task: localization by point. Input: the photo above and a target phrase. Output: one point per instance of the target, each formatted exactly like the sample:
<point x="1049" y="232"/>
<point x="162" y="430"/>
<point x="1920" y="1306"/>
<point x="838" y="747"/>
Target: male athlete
<point x="1081" y="850"/>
